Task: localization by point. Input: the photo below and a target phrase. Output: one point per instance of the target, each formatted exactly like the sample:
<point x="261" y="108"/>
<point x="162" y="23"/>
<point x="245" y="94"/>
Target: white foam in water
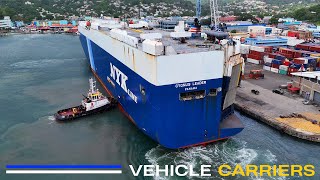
<point x="51" y="119"/>
<point x="230" y="152"/>
<point x="246" y="156"/>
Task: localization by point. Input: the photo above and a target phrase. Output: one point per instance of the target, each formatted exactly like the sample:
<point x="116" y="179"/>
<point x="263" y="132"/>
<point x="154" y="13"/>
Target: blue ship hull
<point x="158" y="111"/>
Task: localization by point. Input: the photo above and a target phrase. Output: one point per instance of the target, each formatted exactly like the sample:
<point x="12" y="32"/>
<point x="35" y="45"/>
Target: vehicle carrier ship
<point x="179" y="93"/>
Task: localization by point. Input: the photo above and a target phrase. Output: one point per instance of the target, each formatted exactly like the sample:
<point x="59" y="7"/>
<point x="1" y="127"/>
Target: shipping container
<point x="268" y="49"/>
<point x="296" y="66"/>
<point x="268" y="64"/>
<point x="268" y="60"/>
<point x="256" y="57"/>
<point x="286" y="63"/>
<point x="257" y="48"/>
<point x="272" y="55"/>
<point x="276" y="66"/>
<point x="280" y="57"/>
<point x="276" y="61"/>
<point x="254" y="61"/>
<point x="283" y="67"/>
<point x="300" y="61"/>
<point x="315" y="48"/>
<point x="303" y="47"/>
<point x="317" y="56"/>
<point x="283" y="72"/>
<point x="268" y="68"/>
<point x="297" y="54"/>
<point x="274" y="70"/>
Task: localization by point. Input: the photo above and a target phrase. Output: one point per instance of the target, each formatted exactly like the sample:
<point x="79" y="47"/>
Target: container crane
<point x="214" y="14"/>
<point x="198" y="9"/>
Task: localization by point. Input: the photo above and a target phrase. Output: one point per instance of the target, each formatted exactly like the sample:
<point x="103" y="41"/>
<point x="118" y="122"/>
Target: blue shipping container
<point x="267" y="64"/>
<point x="279" y="57"/>
<point x="276" y="61"/>
<point x="296" y="66"/>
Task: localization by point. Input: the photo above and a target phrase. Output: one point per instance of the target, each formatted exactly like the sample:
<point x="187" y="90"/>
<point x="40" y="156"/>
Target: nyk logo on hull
<point x="121" y="79"/>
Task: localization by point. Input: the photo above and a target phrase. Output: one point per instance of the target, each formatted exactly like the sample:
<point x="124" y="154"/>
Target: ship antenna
<point x="92" y="83"/>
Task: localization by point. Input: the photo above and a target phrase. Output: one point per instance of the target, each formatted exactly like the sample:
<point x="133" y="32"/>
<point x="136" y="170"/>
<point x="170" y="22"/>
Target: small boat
<point x="93" y="103"/>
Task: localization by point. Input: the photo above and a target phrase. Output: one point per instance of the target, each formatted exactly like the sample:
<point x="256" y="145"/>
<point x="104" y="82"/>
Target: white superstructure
<point x="95" y="99"/>
<point x="6" y="22"/>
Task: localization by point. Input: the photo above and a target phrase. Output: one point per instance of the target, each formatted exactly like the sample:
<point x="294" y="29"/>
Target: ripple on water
<point x="30" y="64"/>
<point x="230" y="152"/>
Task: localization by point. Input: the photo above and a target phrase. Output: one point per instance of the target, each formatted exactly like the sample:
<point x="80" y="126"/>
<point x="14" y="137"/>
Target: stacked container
<point x="275" y="65"/>
<point x="283" y="69"/>
<point x="256" y="54"/>
<point x="267" y="63"/>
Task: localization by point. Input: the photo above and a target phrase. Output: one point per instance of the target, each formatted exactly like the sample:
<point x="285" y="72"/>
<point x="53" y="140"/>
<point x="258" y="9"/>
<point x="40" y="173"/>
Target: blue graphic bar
<point x="63" y="166"/>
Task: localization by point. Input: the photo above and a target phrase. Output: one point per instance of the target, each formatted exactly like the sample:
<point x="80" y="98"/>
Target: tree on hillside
<point x="274" y="20"/>
<point x="6" y="12"/>
<point x="244" y="17"/>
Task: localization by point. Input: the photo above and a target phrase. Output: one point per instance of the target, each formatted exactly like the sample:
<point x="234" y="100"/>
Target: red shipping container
<point x="303" y="46"/>
<point x="252" y="56"/>
<point x="286" y="50"/>
<point x="287" y="63"/>
<point x="287" y="55"/>
<point x="273" y="56"/>
<point x="297" y="54"/>
<point x="275" y="66"/>
<point x="315" y="48"/>
<point x="298" y="61"/>
<point x="256" y="53"/>
<point x="268" y="49"/>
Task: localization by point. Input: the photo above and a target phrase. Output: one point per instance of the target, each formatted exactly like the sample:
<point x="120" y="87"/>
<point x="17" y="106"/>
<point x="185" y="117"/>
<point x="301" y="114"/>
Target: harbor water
<point x="40" y="74"/>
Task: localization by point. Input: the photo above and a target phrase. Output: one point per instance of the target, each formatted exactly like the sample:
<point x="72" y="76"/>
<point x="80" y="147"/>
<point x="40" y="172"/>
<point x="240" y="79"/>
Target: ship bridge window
<point x="187" y="96"/>
<point x="213" y="92"/>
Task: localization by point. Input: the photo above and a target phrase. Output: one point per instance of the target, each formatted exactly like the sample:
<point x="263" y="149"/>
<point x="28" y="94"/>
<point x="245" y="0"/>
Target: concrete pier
<point x="268" y="106"/>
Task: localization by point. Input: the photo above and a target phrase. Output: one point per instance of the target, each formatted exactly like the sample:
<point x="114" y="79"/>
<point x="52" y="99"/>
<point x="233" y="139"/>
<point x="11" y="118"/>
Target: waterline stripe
<point x="63" y="166"/>
<point x="63" y="172"/>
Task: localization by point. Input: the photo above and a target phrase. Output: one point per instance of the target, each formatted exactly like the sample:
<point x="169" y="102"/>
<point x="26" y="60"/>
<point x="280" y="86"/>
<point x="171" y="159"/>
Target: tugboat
<point x="93" y="103"/>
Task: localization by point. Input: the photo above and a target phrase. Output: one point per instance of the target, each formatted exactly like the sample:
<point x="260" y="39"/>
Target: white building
<point x="288" y="20"/>
<point x="309" y="84"/>
<point x="263" y="30"/>
<point x="6" y="22"/>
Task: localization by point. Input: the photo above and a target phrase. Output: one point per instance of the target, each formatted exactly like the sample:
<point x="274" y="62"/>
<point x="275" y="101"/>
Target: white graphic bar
<point x="63" y="171"/>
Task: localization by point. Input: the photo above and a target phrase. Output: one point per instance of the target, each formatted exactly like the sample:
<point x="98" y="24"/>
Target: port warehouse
<point x="309" y="84"/>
